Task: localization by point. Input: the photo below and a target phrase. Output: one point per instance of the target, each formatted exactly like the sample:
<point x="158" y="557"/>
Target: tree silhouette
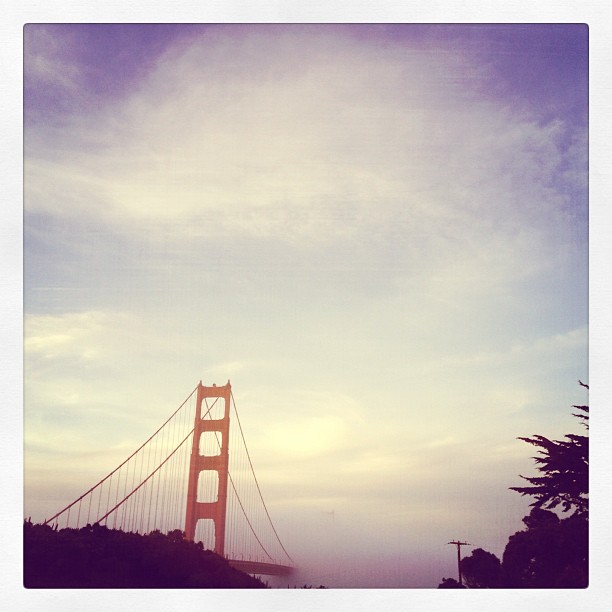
<point x="482" y="570"/>
<point x="450" y="583"/>
<point x="96" y="557"/>
<point x="552" y="552"/>
<point x="565" y="468"/>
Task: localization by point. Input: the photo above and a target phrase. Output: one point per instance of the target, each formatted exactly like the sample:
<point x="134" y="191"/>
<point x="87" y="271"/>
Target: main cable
<point x="256" y="482"/>
<point x="121" y="464"/>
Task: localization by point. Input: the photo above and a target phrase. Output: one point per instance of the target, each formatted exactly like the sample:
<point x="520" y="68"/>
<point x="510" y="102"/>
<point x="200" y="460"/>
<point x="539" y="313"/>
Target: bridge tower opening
<point x="215" y="510"/>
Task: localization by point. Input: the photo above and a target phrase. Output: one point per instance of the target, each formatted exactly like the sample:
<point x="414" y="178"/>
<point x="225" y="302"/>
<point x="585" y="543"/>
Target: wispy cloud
<point x="284" y="137"/>
<point x="51" y="61"/>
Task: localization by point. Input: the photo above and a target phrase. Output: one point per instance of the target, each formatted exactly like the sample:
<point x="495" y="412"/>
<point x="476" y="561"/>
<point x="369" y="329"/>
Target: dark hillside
<point x="98" y="557"/>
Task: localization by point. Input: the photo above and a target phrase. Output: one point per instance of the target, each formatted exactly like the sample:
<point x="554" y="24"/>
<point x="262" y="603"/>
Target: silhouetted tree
<point x="553" y="551"/>
<point x="565" y="468"/>
<point x="450" y="583"/>
<point x="550" y="553"/>
<point x="97" y="557"/>
<point x="482" y="570"/>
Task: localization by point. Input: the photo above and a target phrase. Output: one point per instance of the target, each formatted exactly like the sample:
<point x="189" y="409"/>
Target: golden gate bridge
<point x="184" y="477"/>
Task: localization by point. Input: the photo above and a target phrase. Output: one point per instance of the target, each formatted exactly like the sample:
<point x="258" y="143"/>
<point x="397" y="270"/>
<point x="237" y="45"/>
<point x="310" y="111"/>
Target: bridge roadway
<point x="259" y="568"/>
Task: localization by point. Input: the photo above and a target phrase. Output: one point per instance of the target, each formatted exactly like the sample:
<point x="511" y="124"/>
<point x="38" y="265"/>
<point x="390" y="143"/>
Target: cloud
<point x="309" y="138"/>
<point x="76" y="335"/>
<point x="50" y="60"/>
<point x="521" y="352"/>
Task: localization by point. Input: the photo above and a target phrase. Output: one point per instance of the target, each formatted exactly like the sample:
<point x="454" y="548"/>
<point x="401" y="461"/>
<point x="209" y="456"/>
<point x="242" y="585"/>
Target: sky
<point x="378" y="233"/>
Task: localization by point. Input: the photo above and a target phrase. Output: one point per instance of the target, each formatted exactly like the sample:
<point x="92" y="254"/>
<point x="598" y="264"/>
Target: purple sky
<point x="379" y="233"/>
<point x="544" y="65"/>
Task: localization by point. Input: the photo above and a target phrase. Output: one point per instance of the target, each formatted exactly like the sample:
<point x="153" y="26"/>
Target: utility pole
<point x="459" y="544"/>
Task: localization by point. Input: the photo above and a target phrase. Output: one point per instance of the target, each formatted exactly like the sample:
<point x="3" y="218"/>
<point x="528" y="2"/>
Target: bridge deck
<point x="260" y="569"/>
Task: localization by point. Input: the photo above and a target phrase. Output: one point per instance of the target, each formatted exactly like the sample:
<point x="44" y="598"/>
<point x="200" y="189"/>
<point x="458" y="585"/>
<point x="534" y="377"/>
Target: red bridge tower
<point x="215" y="510"/>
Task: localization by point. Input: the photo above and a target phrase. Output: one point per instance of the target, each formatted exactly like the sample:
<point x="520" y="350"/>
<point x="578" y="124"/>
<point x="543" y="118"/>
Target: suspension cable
<point x="244" y="512"/>
<point x="122" y="464"/>
<point x="247" y="519"/>
<point x="155" y="470"/>
<point x="256" y="482"/>
<point x="146" y="479"/>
